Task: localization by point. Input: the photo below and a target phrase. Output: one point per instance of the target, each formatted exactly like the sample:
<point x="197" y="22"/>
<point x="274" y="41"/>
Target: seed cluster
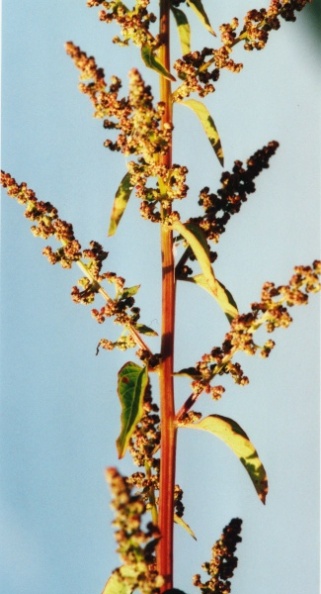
<point x="143" y="447"/>
<point x="256" y="28"/>
<point x="258" y="23"/>
<point x="145" y="441"/>
<point x="140" y="133"/>
<point x="199" y="69"/>
<point x="220" y="207"/>
<point x="47" y="224"/>
<point x="135" y="117"/>
<point x="223" y="562"/>
<point x="136" y="544"/>
<point x="134" y="23"/>
<point x="194" y="70"/>
<point x="271" y="313"/>
<point x="173" y="187"/>
<point x="235" y="188"/>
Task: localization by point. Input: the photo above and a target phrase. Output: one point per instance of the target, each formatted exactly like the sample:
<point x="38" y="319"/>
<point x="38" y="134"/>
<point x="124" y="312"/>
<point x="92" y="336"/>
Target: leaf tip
<point x="263" y="491"/>
<point x="120" y="449"/>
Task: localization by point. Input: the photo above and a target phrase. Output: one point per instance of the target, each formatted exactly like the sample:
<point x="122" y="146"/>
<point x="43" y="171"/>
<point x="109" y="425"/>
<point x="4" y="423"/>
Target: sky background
<point x="59" y="408"/>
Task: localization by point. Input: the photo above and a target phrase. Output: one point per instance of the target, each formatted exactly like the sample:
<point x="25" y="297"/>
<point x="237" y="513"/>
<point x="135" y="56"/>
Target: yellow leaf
<point x="234" y="436"/>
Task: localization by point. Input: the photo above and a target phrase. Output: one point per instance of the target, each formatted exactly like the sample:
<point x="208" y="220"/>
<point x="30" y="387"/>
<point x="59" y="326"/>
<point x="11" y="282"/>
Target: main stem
<point x="167" y="410"/>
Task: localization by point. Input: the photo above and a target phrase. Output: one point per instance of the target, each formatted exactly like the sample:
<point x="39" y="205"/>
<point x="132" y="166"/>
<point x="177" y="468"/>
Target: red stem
<point x="167" y="409"/>
<point x="168" y="428"/>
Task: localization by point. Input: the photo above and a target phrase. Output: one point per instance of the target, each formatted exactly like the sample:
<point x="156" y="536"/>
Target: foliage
<point x="141" y="129"/>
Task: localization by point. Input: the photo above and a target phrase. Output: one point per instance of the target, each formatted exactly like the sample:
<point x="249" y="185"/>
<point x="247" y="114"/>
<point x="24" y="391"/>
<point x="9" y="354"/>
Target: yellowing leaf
<point x="234" y="436"/>
<point x="222" y="295"/>
<point x="116" y="585"/>
<point x="208" y="124"/>
<point x="198" y="8"/>
<point x="120" y="202"/>
<point x="151" y="61"/>
<point x="197" y="242"/>
<point x="132" y="383"/>
<point x="183" y="28"/>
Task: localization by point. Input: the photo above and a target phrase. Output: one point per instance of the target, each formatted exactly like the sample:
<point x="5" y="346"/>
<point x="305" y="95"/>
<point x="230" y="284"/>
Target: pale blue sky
<point x="60" y="412"/>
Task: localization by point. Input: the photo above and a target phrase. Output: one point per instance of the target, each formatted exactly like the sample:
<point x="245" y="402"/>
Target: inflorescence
<point x="200" y="69"/>
<point x="136" y="542"/>
<point x="141" y="133"/>
<point x="134" y="22"/>
<point x="47" y="224"/>
<point x="223" y="562"/>
<point x="235" y="188"/>
<point x="270" y="313"/>
<point x="144" y="449"/>
<point x="135" y="117"/>
<point x="220" y="207"/>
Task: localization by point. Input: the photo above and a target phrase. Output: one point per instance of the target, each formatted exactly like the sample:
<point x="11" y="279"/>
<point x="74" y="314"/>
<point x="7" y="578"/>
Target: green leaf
<point x="116" y="585"/>
<point x="132" y="383"/>
<point x="198" y="8"/>
<point x="234" y="436"/>
<point x="143" y="329"/>
<point x="208" y="125"/>
<point x="120" y="202"/>
<point x="184" y="525"/>
<point x="183" y="28"/>
<point x="129" y="291"/>
<point x="222" y="295"/>
<point x="150" y="61"/>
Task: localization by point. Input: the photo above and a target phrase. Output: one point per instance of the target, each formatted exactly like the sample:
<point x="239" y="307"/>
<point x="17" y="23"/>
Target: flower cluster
<point x="220" y="207"/>
<point x="143" y="447"/>
<point x="140" y="132"/>
<point x="136" y="545"/>
<point x="271" y="313"/>
<point x="171" y="185"/>
<point x="47" y="224"/>
<point x="193" y="69"/>
<point x="258" y="23"/>
<point x="135" y="117"/>
<point x="223" y="562"/>
<point x="145" y="440"/>
<point x="134" y="23"/>
<point x="235" y="188"/>
<point x="256" y="29"/>
<point x="199" y="69"/>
